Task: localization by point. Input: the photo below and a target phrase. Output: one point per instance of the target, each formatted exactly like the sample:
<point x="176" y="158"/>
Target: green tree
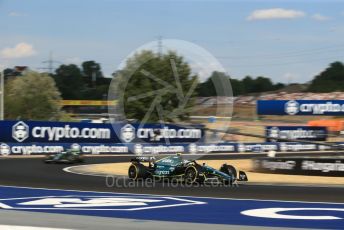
<point x="69" y="81"/>
<point x="239" y="87"/>
<point x="212" y="86"/>
<point x="97" y="89"/>
<point x="262" y="84"/>
<point x="33" y="96"/>
<point x="331" y="79"/>
<point x="279" y="85"/>
<point x="151" y="79"/>
<point x="91" y="70"/>
<point x="248" y="84"/>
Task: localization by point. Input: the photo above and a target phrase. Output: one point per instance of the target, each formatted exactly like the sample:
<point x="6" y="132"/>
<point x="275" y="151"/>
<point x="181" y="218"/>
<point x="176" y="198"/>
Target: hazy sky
<point x="283" y="40"/>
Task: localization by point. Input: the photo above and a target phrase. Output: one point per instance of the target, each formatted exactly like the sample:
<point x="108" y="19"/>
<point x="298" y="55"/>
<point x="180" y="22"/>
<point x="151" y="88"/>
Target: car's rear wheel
<point x="71" y="159"/>
<point x="229" y="170"/>
<point x="47" y="159"/>
<point x="81" y="159"/>
<point x="191" y="175"/>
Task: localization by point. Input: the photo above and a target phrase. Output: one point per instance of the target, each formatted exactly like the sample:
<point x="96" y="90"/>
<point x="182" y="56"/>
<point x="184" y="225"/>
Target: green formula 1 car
<point x="185" y="170"/>
<point x="67" y="157"/>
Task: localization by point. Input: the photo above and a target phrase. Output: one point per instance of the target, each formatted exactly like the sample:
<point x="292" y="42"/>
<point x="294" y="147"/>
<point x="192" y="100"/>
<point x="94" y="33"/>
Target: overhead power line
<point x="50" y="63"/>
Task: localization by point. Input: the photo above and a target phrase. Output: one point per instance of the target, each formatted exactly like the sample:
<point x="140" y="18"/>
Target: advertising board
<point x="79" y="132"/>
<point x="301" y="107"/>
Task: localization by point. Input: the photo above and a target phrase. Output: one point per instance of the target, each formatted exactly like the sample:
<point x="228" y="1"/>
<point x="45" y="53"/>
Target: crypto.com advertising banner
<point x="301" y="166"/>
<point x="157" y="148"/>
<point x="75" y="132"/>
<point x="301" y="107"/>
<point x="310" y="133"/>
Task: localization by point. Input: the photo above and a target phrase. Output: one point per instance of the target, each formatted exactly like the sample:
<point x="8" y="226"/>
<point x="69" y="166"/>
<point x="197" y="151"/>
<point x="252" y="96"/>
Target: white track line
<point x="17" y="227"/>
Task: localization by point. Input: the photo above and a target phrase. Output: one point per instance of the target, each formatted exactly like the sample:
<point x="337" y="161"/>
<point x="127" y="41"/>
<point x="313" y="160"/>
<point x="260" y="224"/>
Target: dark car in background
<point x="67" y="157"/>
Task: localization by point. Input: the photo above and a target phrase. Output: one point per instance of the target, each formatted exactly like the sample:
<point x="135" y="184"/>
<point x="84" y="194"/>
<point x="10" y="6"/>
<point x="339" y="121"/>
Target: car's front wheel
<point x="137" y="171"/>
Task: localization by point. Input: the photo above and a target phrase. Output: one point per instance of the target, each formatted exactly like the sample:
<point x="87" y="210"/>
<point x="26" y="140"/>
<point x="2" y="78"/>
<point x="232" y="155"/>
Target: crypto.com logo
<point x="127" y="133"/>
<point x="95" y="203"/>
<point x="175" y="95"/>
<point x="5" y="149"/>
<point x="291" y="107"/>
<point x="20" y="131"/>
<point x="274" y="132"/>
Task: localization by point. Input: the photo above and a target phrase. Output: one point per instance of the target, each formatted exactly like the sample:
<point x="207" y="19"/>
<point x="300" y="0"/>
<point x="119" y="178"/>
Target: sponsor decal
<point x="75" y="146"/>
<point x="291" y="107"/>
<point x="215" y="148"/>
<point x="257" y="147"/>
<point x="299" y="147"/>
<point x="138" y="149"/>
<point x="301" y="166"/>
<point x="155" y="149"/>
<point x="96" y="203"/>
<point x="57" y="133"/>
<point x="20" y="131"/>
<point x="322" y="166"/>
<point x="283" y="147"/>
<point x="300" y="107"/>
<point x="36" y="149"/>
<point x="241" y="148"/>
<point x="193" y="148"/>
<point x="5" y="149"/>
<point x="78" y="132"/>
<point x="261" y="213"/>
<point x="296" y="133"/>
<point x="155" y="134"/>
<point x="104" y="149"/>
<point x="323" y="108"/>
<point x="127" y="133"/>
<point x="273" y="165"/>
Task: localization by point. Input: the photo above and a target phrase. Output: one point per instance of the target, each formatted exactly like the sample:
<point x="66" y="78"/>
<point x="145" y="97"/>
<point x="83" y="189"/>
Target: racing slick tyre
<point x="71" y="160"/>
<point x="191" y="175"/>
<point x="137" y="171"/>
<point x="229" y="170"/>
<point x="81" y="159"/>
<point x="47" y="159"/>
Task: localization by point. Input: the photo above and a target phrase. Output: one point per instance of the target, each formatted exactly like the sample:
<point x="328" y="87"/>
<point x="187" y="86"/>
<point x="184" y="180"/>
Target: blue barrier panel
<point x="144" y="148"/>
<point x="296" y="133"/>
<point x="301" y="107"/>
<point x="70" y="132"/>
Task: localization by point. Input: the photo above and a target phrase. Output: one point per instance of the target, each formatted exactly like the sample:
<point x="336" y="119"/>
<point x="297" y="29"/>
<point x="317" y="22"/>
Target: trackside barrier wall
<point x="301" y="107"/>
<point x="139" y="148"/>
<point x="301" y="166"/>
<point x="296" y="133"/>
<point x="78" y="132"/>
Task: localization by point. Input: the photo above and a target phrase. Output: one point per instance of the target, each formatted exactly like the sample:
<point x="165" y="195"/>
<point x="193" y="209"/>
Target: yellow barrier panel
<point x="87" y="103"/>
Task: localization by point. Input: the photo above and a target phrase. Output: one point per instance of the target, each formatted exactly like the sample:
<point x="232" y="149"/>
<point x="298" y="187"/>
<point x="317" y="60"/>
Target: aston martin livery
<point x="186" y="170"/>
<point x="68" y="157"/>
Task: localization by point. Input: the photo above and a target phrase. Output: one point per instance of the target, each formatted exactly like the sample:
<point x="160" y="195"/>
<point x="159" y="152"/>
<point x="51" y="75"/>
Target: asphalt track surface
<point x="32" y="172"/>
